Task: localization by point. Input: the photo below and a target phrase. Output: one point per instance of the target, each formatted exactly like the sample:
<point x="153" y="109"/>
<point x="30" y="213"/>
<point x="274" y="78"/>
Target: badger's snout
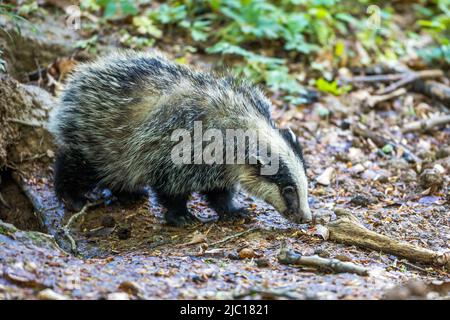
<point x="300" y="216"/>
<point x="297" y="210"/>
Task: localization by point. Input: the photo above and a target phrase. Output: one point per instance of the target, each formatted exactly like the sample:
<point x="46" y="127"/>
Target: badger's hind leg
<point x="222" y="201"/>
<point x="177" y="213"/>
<point x="74" y="177"/>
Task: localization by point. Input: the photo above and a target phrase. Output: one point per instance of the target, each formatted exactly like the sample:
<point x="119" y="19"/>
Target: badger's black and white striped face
<point x="287" y="189"/>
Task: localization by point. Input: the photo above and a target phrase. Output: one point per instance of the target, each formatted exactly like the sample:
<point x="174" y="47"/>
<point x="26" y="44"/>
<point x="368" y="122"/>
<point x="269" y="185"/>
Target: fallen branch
<point x="233" y="236"/>
<point x="290" y="257"/>
<point x="348" y="230"/>
<point x="426" y="124"/>
<point x="410" y="77"/>
<point x="73" y="218"/>
<point x="424" y="74"/>
<point x="434" y="90"/>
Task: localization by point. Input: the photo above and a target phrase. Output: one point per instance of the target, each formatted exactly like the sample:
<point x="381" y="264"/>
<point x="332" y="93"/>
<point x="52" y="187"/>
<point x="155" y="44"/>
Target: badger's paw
<point x="235" y="214"/>
<point x="179" y="219"/>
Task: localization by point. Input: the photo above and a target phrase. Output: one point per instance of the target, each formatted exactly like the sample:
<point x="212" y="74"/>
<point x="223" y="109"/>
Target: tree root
<point x="290" y="257"/>
<point x="348" y="230"/>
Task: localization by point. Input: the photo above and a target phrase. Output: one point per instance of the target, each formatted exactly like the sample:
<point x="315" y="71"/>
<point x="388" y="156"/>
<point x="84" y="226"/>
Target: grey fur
<point x="119" y="112"/>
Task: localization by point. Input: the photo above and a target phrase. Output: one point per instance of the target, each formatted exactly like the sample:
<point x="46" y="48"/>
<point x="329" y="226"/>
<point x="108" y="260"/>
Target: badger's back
<point x="120" y="110"/>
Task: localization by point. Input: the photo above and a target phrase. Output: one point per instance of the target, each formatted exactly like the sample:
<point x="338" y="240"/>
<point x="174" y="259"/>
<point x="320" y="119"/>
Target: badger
<point x="113" y="126"/>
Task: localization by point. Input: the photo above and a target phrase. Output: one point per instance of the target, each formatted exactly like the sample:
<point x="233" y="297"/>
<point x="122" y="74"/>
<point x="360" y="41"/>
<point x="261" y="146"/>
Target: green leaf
<point x="128" y="8"/>
<point x="145" y="26"/>
<point x="387" y="149"/>
<point x="328" y="87"/>
<point x="110" y="9"/>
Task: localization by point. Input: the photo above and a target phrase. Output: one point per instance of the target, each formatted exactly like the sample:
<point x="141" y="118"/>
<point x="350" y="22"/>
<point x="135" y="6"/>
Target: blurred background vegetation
<point x="285" y="44"/>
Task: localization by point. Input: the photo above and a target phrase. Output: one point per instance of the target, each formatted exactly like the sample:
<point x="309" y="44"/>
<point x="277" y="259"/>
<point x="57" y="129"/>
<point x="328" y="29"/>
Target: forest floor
<point x="126" y="251"/>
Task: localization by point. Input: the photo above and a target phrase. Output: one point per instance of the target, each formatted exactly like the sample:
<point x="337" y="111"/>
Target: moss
<point x="7" y="229"/>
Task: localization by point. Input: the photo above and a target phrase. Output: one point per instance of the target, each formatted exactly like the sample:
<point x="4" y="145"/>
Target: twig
<point x="290" y="257"/>
<point x="375" y="78"/>
<point x="381" y="141"/>
<point x="395" y="76"/>
<point x="233" y="236"/>
<point x="426" y="124"/>
<point x="372" y="101"/>
<point x="66" y="228"/>
<point x="413" y="266"/>
<point x="410" y="77"/>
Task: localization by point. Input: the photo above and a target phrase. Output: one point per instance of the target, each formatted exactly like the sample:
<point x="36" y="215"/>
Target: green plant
<point x="435" y="20"/>
<point x="268" y="35"/>
<point x="111" y="8"/>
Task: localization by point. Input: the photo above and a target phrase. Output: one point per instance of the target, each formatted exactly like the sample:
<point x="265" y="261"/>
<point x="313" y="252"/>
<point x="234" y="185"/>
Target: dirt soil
<point x="126" y="250"/>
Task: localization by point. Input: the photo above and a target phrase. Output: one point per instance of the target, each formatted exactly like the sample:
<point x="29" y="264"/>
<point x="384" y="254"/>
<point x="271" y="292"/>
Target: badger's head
<point x="279" y="178"/>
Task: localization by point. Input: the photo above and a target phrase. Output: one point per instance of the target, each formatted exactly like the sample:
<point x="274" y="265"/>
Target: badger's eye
<point x="288" y="190"/>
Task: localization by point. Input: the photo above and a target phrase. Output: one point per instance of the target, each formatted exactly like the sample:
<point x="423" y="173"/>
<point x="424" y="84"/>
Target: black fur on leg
<point x="177" y="213"/>
<point x="74" y="177"/>
<point x="222" y="200"/>
<point x="130" y="197"/>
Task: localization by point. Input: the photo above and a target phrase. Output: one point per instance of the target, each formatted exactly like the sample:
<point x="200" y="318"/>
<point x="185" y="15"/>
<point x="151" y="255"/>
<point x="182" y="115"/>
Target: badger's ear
<point x="289" y="135"/>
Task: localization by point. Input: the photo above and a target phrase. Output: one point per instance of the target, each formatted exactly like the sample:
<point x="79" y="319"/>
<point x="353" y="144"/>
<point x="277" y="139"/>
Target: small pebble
<point x="49" y="294"/>
<point x="130" y="287"/>
<point x="118" y="296"/>
<point x="246" y="253"/>
<point x="431" y="178"/>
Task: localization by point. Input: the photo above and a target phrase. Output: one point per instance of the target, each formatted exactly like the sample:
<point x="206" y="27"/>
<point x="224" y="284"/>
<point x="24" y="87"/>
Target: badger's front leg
<point x="222" y="200"/>
<point x="177" y="213"/>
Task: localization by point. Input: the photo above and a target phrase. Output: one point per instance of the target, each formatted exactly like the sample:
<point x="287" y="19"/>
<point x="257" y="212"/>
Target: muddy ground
<point x="126" y="251"/>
